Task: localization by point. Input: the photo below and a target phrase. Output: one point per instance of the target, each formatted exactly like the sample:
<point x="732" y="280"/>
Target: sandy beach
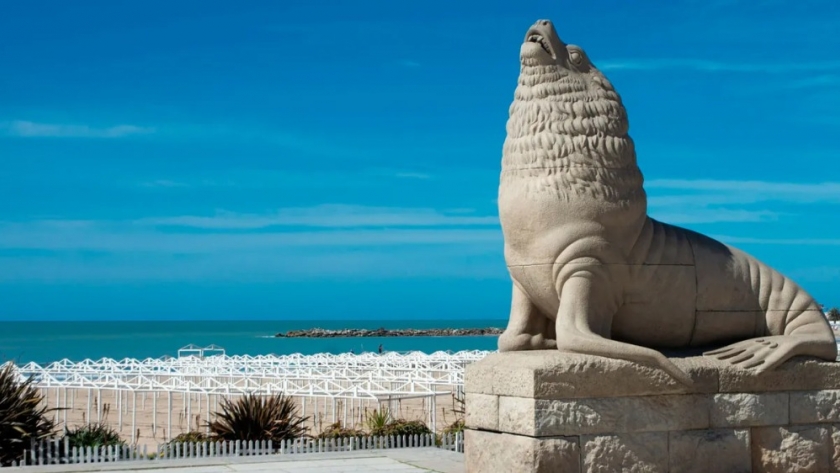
<point x="151" y="418"/>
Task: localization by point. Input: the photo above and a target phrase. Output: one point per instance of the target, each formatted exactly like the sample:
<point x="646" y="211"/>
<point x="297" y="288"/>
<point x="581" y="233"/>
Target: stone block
<point x="552" y="374"/>
<point x="518" y="415"/>
<point x="505" y="453"/>
<point x="749" y="409"/>
<point x="797" y="374"/>
<point x="546" y="418"/>
<point x="815" y="407"/>
<point x="790" y="449"/>
<point x="835" y="448"/>
<point x="482" y="411"/>
<point x="703" y="451"/>
<point x="628" y="453"/>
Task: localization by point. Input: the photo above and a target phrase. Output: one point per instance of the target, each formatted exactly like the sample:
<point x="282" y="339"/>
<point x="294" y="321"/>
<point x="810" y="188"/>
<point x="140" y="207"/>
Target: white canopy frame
<point x="206" y="374"/>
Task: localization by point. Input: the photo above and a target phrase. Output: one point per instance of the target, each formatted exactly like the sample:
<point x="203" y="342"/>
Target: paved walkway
<point x="409" y="460"/>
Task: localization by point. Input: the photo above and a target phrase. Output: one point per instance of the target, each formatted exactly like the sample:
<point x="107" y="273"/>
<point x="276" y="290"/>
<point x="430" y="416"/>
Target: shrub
<point x="184" y="438"/>
<point x="401" y="427"/>
<point x="377" y="421"/>
<point x="190" y="437"/>
<point x="94" y="435"/>
<point x="23" y="416"/>
<point x="253" y="417"/>
<point x="455" y="427"/>
<point x="834" y="314"/>
<point x="335" y="431"/>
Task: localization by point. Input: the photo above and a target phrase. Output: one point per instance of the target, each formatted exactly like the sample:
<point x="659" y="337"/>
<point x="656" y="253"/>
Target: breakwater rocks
<point x="382" y="332"/>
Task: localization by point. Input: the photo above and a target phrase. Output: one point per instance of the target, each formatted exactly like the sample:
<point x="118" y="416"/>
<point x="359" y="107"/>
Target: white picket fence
<point x="52" y="452"/>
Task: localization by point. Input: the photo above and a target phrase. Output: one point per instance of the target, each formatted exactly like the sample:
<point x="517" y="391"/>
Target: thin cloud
<point x="746" y="191"/>
<point x="701" y="65"/>
<point x="780" y="241"/>
<point x="164" y="183"/>
<point x="119" y="237"/>
<point x="413" y="175"/>
<point x="685" y="201"/>
<point x="324" y="216"/>
<point x="700" y="214"/>
<point x="409" y="63"/>
<point x="27" y="129"/>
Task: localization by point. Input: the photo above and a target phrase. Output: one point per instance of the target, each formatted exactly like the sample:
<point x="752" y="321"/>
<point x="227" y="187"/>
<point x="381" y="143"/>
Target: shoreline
<point x="382" y="332"/>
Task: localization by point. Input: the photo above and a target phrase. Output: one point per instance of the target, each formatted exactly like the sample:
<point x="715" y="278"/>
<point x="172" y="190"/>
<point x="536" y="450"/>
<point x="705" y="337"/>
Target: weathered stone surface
<point x="814" y="407"/>
<point x="572" y="202"/>
<point x="552" y="374"/>
<point x="704" y="451"/>
<point x="546" y="418"/>
<point x="797" y="374"/>
<point x="518" y="415"/>
<point x="482" y="411"/>
<point x="790" y="449"/>
<point x="628" y="453"/>
<point x="749" y="409"/>
<point x="504" y="453"/>
<point x="835" y="448"/>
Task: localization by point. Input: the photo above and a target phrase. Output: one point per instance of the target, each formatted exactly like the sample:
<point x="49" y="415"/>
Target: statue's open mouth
<point x="534" y="36"/>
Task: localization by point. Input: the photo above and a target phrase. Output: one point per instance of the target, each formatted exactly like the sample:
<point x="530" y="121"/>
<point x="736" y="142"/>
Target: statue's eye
<point x="576" y="57"/>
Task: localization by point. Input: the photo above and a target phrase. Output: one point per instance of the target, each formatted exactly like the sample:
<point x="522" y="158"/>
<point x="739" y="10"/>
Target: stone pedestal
<point x="547" y="411"/>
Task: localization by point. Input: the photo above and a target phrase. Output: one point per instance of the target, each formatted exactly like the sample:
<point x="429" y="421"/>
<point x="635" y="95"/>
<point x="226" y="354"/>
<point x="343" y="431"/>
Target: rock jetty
<point x="382" y="332"/>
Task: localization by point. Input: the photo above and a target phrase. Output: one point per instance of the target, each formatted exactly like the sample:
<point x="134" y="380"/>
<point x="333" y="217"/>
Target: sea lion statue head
<point x="547" y="60"/>
<point x="567" y="134"/>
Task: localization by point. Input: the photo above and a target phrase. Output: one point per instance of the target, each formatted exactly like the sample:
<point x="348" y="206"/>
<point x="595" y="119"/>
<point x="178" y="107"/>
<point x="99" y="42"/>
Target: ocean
<point x="44" y="342"/>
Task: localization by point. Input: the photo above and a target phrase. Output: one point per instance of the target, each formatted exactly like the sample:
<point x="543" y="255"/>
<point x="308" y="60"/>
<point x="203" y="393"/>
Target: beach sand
<point x="151" y="417"/>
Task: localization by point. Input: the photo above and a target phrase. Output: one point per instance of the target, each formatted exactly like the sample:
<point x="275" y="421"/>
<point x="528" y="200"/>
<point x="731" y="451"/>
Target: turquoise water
<point x="50" y="341"/>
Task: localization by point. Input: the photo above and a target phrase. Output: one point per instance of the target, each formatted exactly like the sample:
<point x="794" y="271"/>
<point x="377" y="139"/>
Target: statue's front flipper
<point x="799" y="329"/>
<point x="766" y="353"/>
<point x="583" y="324"/>
<point x="527" y="326"/>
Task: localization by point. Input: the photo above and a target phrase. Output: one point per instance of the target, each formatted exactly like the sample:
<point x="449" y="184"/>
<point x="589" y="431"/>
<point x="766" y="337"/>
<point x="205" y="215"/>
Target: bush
<point x="94" y="435"/>
<point x="377" y="421"/>
<point x="253" y="417"/>
<point x="402" y="427"/>
<point x="335" y="431"/>
<point x="23" y="416"/>
<point x="834" y="314"/>
<point x="455" y="427"/>
<point x="190" y="437"/>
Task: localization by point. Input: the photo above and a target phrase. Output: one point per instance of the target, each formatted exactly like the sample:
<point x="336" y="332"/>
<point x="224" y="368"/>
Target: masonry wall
<point x="555" y="412"/>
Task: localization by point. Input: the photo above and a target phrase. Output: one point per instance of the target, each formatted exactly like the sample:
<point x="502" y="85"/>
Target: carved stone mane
<point x="568" y="135"/>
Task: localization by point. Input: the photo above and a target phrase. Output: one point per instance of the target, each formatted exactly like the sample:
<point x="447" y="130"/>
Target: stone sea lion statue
<point x="592" y="273"/>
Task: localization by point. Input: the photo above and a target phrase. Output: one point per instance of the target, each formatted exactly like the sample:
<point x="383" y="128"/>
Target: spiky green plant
<point x="377" y="421"/>
<point x="23" y="415"/>
<point x="94" y="435"/>
<point x="253" y="417"/>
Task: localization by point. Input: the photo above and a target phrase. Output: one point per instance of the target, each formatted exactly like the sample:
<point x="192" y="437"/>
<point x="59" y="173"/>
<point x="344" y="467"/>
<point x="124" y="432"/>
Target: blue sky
<point x="335" y="159"/>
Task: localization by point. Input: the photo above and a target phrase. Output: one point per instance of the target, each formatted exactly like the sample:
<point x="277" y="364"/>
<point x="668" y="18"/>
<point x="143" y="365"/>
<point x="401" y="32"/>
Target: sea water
<point x="45" y="342"/>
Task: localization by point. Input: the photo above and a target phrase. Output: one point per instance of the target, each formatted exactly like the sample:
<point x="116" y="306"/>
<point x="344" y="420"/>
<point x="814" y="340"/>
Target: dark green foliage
<point x="335" y="431"/>
<point x="834" y="314"/>
<point x="23" y="416"/>
<point x="94" y="435"/>
<point x="406" y="427"/>
<point x="253" y="417"/>
<point x="190" y="437"/>
<point x="455" y="427"/>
